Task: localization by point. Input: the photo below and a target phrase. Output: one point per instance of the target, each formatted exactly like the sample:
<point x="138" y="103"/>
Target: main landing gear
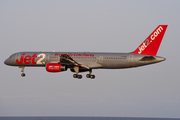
<point x="89" y="75"/>
<point x="22" y="70"/>
<point x="80" y="76"/>
<point x="77" y="76"/>
<point x="76" y="69"/>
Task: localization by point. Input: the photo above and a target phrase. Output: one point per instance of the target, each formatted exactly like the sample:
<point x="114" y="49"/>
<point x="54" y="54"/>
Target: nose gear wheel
<point x="23" y="74"/>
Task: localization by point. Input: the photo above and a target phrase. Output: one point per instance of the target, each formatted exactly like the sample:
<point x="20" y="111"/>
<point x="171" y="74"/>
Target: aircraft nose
<point x="7" y="62"/>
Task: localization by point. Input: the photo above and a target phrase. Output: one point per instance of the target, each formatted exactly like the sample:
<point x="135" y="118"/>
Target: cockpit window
<point x="10" y="57"/>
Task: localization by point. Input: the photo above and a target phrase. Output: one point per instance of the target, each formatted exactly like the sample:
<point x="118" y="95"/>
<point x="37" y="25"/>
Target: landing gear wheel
<point x="23" y="74"/>
<point x="75" y="75"/>
<point x="88" y="75"/>
<point x="79" y="76"/>
<point x="92" y="76"/>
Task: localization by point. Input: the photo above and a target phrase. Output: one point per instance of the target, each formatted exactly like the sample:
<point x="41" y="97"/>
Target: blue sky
<point x="94" y="26"/>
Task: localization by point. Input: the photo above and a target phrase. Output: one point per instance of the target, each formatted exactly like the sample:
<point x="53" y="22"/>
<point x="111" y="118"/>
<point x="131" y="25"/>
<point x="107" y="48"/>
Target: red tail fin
<point x="151" y="45"/>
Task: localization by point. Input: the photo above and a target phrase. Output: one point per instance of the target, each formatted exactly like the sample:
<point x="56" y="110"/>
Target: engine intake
<point x="55" y="67"/>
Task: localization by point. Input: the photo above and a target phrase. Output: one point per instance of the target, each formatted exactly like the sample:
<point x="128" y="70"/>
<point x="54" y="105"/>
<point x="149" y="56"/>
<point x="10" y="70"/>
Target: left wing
<point x="66" y="59"/>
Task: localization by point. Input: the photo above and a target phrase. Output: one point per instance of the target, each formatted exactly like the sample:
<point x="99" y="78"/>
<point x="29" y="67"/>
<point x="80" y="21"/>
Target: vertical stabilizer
<point x="151" y="44"/>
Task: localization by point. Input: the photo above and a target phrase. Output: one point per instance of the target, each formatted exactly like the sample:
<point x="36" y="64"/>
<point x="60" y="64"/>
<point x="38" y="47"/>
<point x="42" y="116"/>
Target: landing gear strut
<point x="22" y="70"/>
<point x="89" y="75"/>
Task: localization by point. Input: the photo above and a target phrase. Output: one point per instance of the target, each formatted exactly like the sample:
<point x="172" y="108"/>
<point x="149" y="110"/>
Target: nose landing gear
<point x="22" y="70"/>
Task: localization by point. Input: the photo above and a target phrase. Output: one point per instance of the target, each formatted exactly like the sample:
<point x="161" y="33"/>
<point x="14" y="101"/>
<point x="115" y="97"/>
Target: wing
<point x="67" y="60"/>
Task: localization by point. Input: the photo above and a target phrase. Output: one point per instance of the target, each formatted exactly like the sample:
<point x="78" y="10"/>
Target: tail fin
<point x="151" y="44"/>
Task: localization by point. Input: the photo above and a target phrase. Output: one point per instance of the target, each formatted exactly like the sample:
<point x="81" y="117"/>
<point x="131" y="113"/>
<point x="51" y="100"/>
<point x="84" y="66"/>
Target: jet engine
<point x="55" y="67"/>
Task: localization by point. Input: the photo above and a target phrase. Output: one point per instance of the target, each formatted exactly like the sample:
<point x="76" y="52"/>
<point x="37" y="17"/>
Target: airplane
<point x="78" y="62"/>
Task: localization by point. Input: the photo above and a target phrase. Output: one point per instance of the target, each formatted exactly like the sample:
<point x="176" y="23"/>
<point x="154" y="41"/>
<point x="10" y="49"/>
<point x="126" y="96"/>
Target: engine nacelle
<point x="55" y="67"/>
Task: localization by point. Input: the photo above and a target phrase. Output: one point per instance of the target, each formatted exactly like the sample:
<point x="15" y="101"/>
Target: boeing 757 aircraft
<point x="86" y="61"/>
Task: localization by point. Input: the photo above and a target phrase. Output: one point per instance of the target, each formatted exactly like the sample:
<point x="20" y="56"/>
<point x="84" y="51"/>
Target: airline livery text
<point x="152" y="37"/>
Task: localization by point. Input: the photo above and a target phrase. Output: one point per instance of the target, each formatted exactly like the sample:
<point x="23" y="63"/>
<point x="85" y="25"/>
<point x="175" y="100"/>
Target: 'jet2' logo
<point x="31" y="59"/>
<point x="27" y="59"/>
<point x="152" y="37"/>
